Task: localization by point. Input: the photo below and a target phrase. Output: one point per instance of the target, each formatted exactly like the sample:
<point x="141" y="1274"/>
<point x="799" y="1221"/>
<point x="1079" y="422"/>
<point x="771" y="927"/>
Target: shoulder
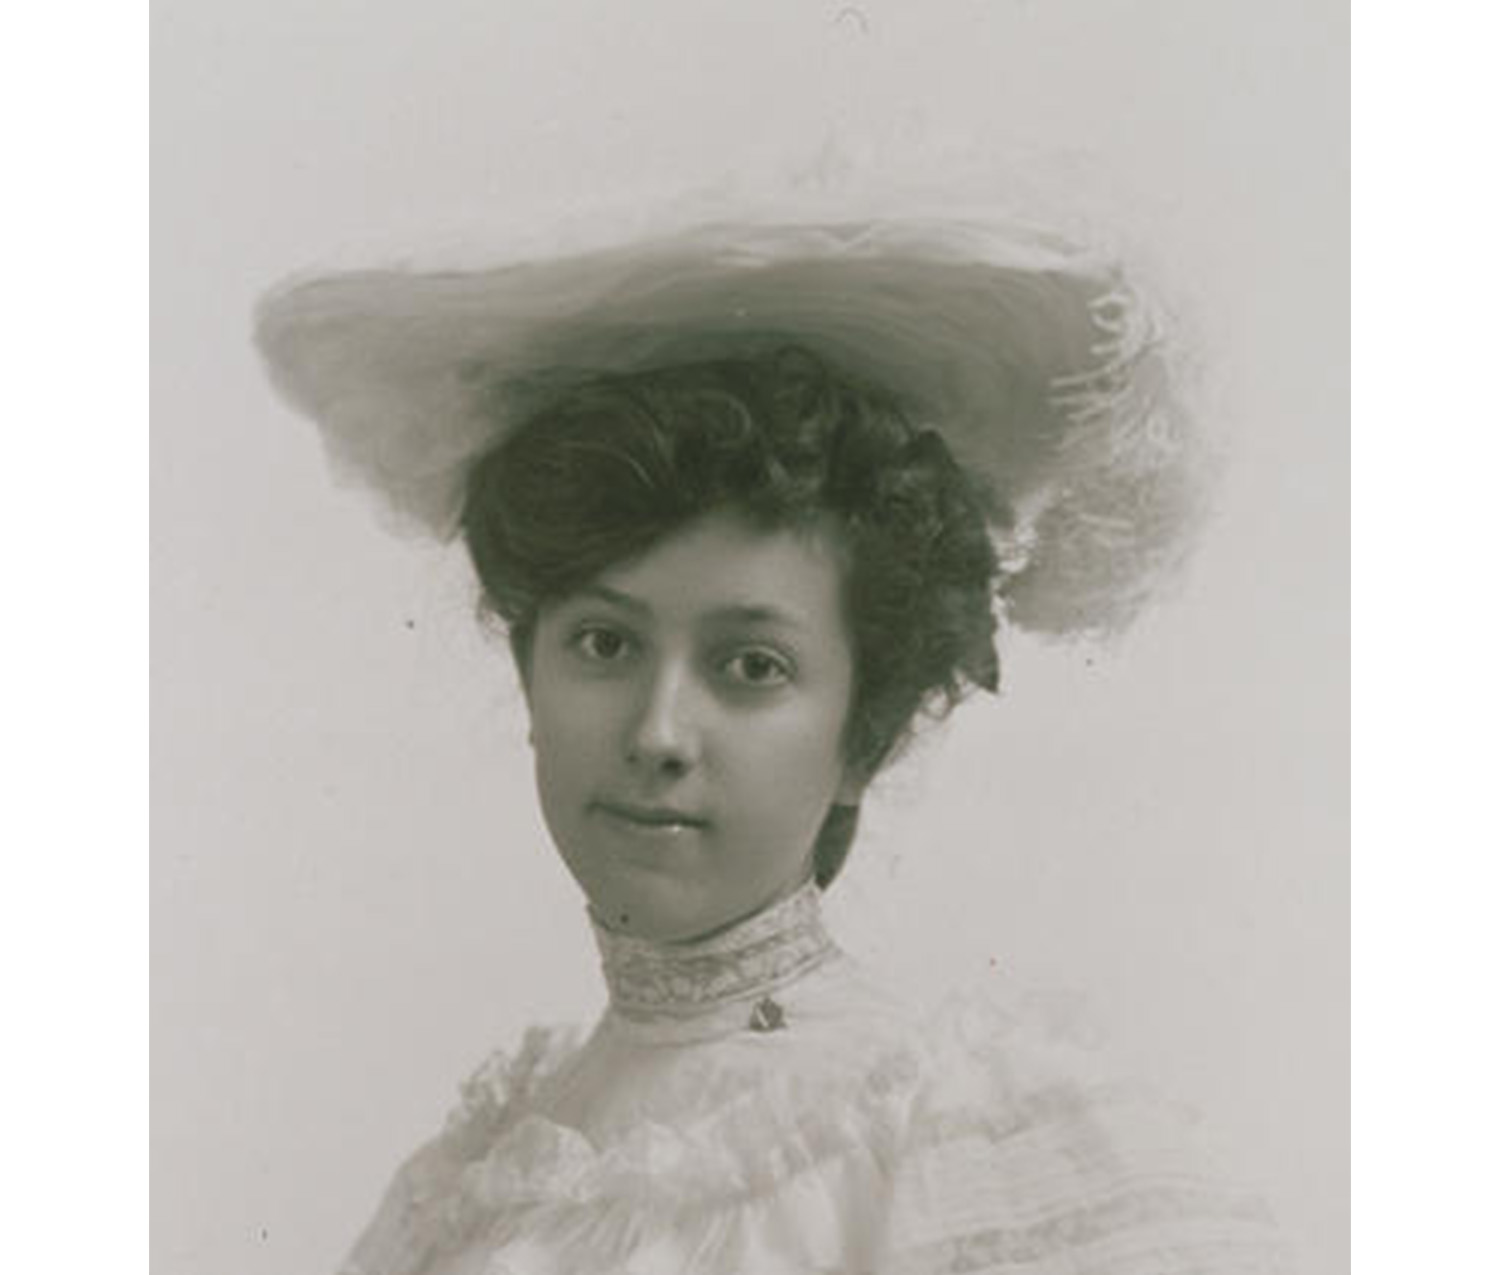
<point x="1028" y="1144"/>
<point x="504" y="1086"/>
<point x="424" y="1209"/>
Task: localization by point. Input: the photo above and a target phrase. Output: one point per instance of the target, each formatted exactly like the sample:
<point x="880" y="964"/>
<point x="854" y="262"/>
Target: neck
<point x="740" y="962"/>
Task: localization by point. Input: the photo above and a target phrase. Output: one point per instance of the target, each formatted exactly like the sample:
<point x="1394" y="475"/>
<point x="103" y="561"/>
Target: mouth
<point x="655" y="820"/>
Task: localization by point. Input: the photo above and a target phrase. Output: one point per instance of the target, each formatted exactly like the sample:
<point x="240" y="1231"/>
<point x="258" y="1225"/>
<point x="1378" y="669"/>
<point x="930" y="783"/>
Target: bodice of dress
<point x="757" y="1104"/>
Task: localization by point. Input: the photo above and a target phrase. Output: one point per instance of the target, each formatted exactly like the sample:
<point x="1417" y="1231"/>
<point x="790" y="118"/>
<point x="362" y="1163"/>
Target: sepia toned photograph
<point x="751" y="613"/>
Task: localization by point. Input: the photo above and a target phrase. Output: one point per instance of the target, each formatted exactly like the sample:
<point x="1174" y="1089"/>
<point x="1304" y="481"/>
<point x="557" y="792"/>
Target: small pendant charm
<point x="767" y="1016"/>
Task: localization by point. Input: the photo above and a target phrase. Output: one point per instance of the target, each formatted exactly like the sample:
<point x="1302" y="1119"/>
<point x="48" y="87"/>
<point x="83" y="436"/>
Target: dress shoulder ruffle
<point x="1028" y="1152"/>
<point x="986" y="1136"/>
<point x="427" y="1208"/>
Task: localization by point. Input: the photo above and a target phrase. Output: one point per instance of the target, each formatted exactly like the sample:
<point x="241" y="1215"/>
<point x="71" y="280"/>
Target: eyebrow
<point x="737" y="612"/>
<point x="605" y="593"/>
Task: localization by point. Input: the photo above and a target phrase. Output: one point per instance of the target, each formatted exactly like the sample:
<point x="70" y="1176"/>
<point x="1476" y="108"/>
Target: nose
<point x="664" y="737"/>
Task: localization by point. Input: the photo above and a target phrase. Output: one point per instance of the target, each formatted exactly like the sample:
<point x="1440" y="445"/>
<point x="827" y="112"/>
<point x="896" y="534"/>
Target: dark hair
<point x="623" y="460"/>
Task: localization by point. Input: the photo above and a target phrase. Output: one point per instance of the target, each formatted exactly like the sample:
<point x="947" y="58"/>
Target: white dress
<point x="755" y="1104"/>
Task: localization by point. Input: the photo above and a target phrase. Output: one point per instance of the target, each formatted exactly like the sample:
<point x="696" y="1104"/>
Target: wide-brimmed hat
<point x="1045" y="370"/>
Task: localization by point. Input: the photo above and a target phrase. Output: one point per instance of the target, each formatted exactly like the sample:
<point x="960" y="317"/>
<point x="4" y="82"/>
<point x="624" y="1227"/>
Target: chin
<point x="650" y="909"/>
<point x="669" y="913"/>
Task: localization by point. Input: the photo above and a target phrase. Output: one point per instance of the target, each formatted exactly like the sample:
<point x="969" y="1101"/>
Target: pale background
<point x="353" y="897"/>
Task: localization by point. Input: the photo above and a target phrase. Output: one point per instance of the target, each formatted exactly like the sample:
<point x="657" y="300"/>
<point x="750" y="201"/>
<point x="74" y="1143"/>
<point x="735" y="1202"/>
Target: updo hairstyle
<point x="622" y="461"/>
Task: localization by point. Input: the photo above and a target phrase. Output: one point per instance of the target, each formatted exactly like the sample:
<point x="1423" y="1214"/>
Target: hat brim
<point x="1044" y="371"/>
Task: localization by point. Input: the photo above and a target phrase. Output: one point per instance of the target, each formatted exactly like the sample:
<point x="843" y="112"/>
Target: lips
<point x="664" y="819"/>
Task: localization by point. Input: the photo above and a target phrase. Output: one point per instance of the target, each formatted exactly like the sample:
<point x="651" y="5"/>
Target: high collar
<point x="748" y="961"/>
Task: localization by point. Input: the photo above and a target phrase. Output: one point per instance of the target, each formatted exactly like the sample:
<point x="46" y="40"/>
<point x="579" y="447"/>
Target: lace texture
<point x="745" y="963"/>
<point x="985" y="1137"/>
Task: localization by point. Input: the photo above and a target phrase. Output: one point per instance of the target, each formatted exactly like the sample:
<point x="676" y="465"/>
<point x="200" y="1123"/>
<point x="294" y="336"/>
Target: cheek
<point x="569" y="735"/>
<point x="801" y="764"/>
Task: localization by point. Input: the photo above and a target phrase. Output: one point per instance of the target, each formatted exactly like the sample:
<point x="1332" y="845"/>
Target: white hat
<point x="1043" y="369"/>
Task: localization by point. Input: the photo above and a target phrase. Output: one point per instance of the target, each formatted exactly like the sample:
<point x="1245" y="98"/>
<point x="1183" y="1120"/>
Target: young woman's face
<point x="687" y="713"/>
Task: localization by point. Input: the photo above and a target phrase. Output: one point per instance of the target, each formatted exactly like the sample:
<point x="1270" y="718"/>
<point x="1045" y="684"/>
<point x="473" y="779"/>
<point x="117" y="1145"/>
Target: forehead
<point x="725" y="565"/>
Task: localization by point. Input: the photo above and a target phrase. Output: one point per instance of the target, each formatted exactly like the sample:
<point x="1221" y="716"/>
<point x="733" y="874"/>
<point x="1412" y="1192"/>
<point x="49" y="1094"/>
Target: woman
<point x="748" y="500"/>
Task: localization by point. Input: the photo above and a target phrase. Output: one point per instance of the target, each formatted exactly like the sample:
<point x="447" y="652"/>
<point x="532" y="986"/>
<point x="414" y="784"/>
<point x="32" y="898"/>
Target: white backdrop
<point x="353" y="897"/>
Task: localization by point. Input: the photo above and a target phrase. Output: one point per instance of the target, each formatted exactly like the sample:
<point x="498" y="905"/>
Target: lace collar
<point x="745" y="963"/>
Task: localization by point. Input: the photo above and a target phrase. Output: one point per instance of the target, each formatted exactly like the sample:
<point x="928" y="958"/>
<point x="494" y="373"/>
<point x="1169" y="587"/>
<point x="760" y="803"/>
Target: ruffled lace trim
<point x="982" y="1144"/>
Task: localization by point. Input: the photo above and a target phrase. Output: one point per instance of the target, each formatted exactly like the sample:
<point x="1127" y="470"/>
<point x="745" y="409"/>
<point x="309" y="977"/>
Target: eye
<point x="601" y="644"/>
<point x="757" y="667"/>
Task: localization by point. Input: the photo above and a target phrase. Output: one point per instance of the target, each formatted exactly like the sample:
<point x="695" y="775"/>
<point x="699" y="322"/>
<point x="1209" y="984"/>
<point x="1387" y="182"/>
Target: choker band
<point x="748" y="961"/>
